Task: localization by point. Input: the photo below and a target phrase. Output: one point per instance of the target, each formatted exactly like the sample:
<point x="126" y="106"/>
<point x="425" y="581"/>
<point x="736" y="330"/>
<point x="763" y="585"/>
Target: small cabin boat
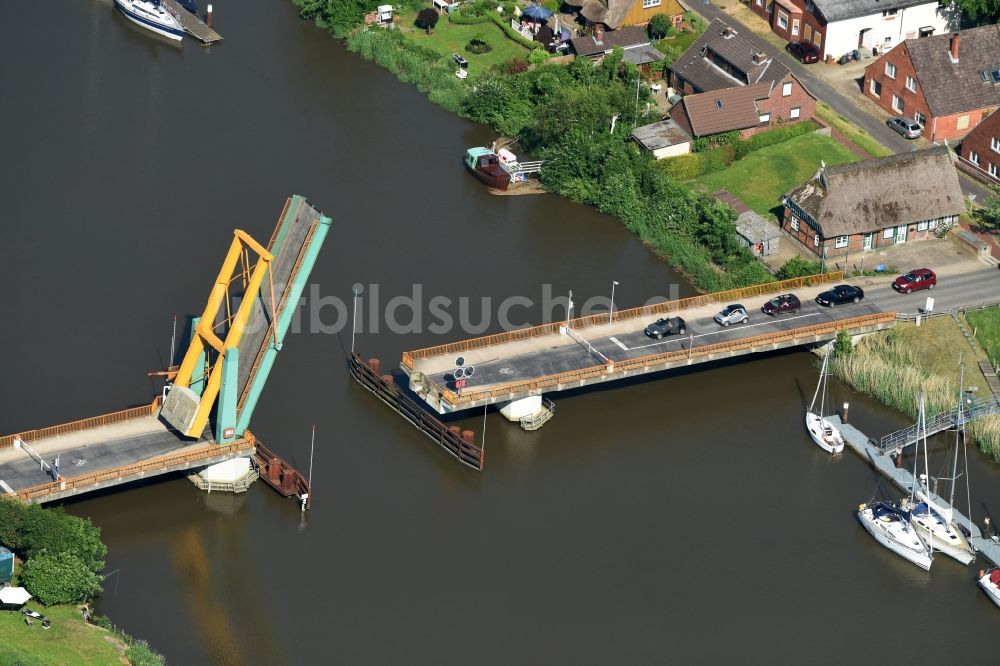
<point x="499" y="169"/>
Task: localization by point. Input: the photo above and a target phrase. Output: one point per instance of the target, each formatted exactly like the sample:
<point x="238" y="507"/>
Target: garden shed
<point x="757" y="233"/>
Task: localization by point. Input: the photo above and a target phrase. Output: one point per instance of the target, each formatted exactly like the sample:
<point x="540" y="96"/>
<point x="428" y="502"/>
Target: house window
<point x="842" y="241"/>
<point x="795" y="27"/>
<point x="889" y="233"/>
<point x="817" y="39"/>
<point x="974" y="157"/>
<point x="933" y="224"/>
<point x="995" y="144"/>
<point x="897" y="104"/>
<point x="795" y="112"/>
<point x="920" y="118"/>
<point x="994" y="169"/>
<point x="911" y="84"/>
<point x="815" y="240"/>
<point x="795" y="223"/>
<point x="922" y="226"/>
<point x="890" y="70"/>
<point x="760" y="3"/>
<point x="786" y="89"/>
<point x="646" y="4"/>
<point x="782" y="20"/>
<point x="890" y="12"/>
<point x="876" y="88"/>
<point x="963" y="122"/>
<point x="765" y="118"/>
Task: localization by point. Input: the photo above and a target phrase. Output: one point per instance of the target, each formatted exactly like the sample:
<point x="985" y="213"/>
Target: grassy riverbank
<point x="894" y="366"/>
<point x="986" y="324"/>
<point x="69" y="640"/>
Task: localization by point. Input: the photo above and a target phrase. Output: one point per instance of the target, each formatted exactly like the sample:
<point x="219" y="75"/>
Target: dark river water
<point x="686" y="519"/>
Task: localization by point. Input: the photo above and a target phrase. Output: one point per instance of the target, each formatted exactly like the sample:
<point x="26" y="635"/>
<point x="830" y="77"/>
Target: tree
<point x="612" y="63"/>
<point x="989" y="214"/>
<point x="62" y="578"/>
<point x="980" y="11"/>
<point x="658" y="26"/>
<point x="427" y="18"/>
<point x="52" y="531"/>
<point x="843" y="345"/>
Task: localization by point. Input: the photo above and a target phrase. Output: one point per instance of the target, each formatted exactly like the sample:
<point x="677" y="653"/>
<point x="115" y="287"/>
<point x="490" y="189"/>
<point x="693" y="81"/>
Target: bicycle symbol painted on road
<point x="79" y="462"/>
<point x="506" y="371"/>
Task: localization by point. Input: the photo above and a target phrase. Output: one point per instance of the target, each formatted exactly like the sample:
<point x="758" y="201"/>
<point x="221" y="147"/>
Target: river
<point x="684" y="519"/>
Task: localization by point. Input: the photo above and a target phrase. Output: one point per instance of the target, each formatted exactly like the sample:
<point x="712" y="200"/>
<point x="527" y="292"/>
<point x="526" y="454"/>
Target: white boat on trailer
<point x="824" y="433"/>
<point x="890" y="526"/>
<point x="153" y="16"/>
<point x="990" y="582"/>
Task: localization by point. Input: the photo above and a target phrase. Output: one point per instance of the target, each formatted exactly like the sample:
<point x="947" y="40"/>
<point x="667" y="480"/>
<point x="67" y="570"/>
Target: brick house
<point x="730" y="83"/>
<point x="947" y="83"/>
<point x="615" y="14"/>
<point x="836" y="27"/>
<point x="875" y="203"/>
<point x="981" y="148"/>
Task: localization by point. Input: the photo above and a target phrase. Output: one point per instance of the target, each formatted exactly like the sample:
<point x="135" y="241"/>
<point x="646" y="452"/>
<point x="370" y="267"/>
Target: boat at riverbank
<point x="824" y="433"/>
<point x="890" y="526"/>
<point x="152" y="16"/>
<point x="990" y="582"/>
<point x="499" y="169"/>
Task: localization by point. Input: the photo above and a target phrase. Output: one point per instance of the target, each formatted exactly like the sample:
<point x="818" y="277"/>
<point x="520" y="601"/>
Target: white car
<point x="733" y="314"/>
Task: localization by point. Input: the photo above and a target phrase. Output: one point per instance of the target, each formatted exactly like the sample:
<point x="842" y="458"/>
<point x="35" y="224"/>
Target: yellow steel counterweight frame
<point x="242" y="242"/>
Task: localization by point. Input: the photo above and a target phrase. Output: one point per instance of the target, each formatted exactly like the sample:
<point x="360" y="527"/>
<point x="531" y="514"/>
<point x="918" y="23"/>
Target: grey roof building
<point x="723" y="58"/>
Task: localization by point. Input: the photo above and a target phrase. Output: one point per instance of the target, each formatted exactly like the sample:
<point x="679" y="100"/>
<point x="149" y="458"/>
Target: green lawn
<point x="852" y="132"/>
<point x="986" y="324"/>
<point x="449" y="38"/>
<point x="68" y="641"/>
<point x="760" y="178"/>
<point x="681" y="42"/>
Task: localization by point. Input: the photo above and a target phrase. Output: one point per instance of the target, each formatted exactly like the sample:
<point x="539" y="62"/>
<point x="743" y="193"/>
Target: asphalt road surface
<point x="952" y="291"/>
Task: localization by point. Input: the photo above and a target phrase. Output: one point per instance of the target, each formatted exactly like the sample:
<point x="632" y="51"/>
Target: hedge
<point x="500" y="22"/>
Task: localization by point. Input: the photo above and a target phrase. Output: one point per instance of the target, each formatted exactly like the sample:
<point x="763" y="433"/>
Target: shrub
<point x="478" y="44"/>
<point x="843" y="345"/>
<point x="659" y="26"/>
<point x="780" y="134"/>
<point x="538" y="56"/>
<point x="715" y="140"/>
<point x="427" y="18"/>
<point x="61" y="578"/>
<point x="140" y="654"/>
<point x="467" y="15"/>
<point x="798" y="267"/>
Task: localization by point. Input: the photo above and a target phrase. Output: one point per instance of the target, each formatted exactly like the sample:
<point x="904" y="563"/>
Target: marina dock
<point x="903" y="478"/>
<point x="193" y="25"/>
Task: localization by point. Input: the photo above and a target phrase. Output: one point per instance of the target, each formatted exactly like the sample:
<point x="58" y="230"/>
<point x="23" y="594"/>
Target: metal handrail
<point x="82" y="424"/>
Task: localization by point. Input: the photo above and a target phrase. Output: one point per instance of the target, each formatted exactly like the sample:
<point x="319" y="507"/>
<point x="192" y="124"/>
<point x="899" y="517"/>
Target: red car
<point x="780" y="304"/>
<point x="921" y="278"/>
<point x="803" y="51"/>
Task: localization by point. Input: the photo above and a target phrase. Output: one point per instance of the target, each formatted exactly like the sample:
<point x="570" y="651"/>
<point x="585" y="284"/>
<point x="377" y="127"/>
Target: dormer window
<point x="718" y="104"/>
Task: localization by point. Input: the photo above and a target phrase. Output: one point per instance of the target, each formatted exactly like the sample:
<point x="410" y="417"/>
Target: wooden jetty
<point x="870" y="451"/>
<point x="193" y="25"/>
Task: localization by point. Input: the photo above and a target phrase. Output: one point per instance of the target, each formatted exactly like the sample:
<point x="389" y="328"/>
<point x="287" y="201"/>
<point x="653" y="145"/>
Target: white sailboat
<point x="990" y="582"/>
<point x="824" y="433"/>
<point x="935" y="517"/>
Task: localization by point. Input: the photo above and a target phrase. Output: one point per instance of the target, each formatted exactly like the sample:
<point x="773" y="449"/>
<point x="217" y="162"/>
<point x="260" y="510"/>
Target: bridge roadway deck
<point x="134" y="441"/>
<point x="532" y="358"/>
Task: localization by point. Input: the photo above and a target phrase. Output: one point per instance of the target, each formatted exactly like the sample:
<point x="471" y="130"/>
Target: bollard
<point x="375" y="365"/>
<point x="274" y="469"/>
<point x="208" y="16"/>
<point x="469" y="437"/>
<point x="455" y="430"/>
<point x="899" y="457"/>
<point x="843" y="416"/>
<point x="387" y="379"/>
<point x="987" y="528"/>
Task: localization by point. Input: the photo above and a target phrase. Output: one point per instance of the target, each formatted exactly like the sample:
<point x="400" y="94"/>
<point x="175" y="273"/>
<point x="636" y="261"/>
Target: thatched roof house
<point x="877" y="202"/>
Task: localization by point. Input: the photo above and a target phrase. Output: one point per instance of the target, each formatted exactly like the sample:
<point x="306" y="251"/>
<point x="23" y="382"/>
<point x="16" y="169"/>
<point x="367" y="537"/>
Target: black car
<point x="667" y="326"/>
<point x="803" y="52"/>
<point x="842" y="293"/>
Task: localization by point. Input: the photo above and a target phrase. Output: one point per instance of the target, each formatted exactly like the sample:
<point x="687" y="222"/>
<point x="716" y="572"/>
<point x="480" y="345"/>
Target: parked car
<point x="921" y="278"/>
<point x="842" y="293"/>
<point x="908" y="127"/>
<point x="781" y="304"/>
<point x="804" y="52"/>
<point x="732" y="314"/>
<point x="666" y="326"/>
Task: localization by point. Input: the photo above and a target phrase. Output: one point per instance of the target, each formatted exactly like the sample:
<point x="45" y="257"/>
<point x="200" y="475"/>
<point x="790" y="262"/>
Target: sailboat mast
<point x="959" y="425"/>
<point x="822" y="374"/>
<point x="916" y="450"/>
<point x="927" y="478"/>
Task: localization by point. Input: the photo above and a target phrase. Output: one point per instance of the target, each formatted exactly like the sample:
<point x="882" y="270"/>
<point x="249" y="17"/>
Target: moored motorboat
<point x="152" y="16"/>
<point x="485" y="165"/>
<point x="990" y="582"/>
<point x="890" y="526"/>
<point x="824" y="433"/>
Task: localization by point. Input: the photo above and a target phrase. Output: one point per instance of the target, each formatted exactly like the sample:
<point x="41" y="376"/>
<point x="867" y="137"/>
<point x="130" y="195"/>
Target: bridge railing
<point x="201" y="453"/>
<point x="621" y="315"/>
<point x="640" y="362"/>
<point x="83" y="424"/>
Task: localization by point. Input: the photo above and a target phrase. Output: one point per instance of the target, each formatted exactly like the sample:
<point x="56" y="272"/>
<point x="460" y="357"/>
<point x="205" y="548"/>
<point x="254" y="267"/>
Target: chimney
<point x="728" y="32"/>
<point x="759" y="57"/>
<point x="953" y="45"/>
<point x="598" y="34"/>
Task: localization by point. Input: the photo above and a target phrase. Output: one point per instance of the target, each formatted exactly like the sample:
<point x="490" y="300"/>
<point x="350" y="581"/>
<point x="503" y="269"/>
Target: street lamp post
<point x="611" y="313"/>
<point x="354" y="315"/>
<point x="569" y="309"/>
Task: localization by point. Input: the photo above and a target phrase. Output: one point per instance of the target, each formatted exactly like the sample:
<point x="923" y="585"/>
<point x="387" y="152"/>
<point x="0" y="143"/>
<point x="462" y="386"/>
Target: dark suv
<point x="780" y="304"/>
<point x="667" y="326"/>
<point x="921" y="278"/>
<point x="803" y="51"/>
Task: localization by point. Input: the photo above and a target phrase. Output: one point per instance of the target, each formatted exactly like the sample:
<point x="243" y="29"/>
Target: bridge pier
<point x="233" y="476"/>
<point x="515" y="410"/>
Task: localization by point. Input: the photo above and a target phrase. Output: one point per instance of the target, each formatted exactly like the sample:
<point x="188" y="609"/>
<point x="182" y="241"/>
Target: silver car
<point x="733" y="314"/>
<point x="908" y="127"/>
